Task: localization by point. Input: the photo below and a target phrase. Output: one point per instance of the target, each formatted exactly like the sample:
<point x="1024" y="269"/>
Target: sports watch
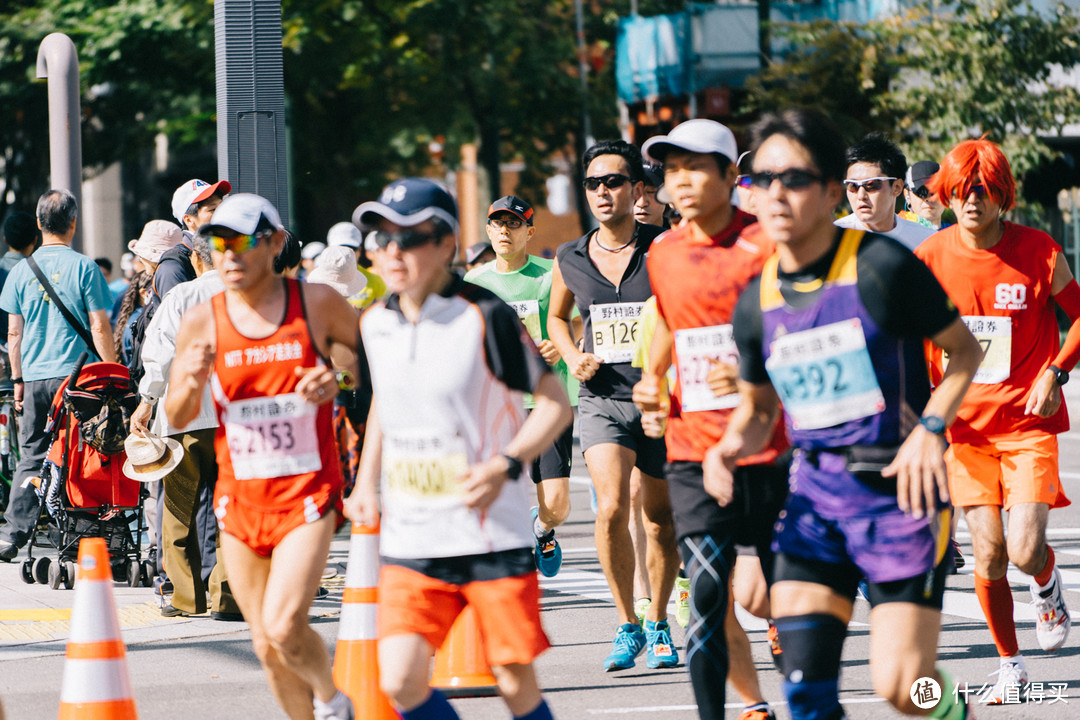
<point x="513" y="467"/>
<point x="1061" y="375"/>
<point x="933" y="424"/>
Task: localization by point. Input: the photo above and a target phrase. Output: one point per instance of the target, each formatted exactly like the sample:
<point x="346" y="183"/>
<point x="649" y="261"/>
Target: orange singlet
<point x="278" y="463"/>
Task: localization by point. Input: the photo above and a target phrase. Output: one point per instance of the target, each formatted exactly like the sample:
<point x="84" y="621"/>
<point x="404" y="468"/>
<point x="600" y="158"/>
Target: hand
<point x="718" y="470"/>
<point x="549" y="352"/>
<point x="140" y="419"/>
<point x="919" y="469"/>
<point x="1045" y="397"/>
<point x="483" y="482"/>
<point x="654" y="424"/>
<point x="317" y="384"/>
<point x="584" y="366"/>
<point x="362" y="506"/>
<point x="197" y="360"/>
<point x="18" y="404"/>
<point x="722" y="378"/>
<point x="651" y="395"/>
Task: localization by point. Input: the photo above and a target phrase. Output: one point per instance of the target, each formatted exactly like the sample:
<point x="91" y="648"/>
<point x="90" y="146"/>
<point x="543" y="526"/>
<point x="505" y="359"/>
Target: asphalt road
<point x="192" y="667"/>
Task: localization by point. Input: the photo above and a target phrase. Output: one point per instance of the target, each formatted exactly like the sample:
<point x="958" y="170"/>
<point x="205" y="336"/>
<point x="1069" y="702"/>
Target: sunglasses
<point x="922" y="193"/>
<point x="871" y="185"/>
<point x="979" y="190"/>
<point x="789" y="179"/>
<point x="510" y="223"/>
<point x="612" y="181"/>
<point x="744" y="181"/>
<point x="239" y="244"/>
<point x="405" y="240"/>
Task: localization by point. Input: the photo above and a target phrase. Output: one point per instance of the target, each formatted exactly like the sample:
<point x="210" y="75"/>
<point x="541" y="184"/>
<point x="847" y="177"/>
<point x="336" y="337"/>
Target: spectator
<point x="348" y="235"/>
<point x="308" y="254"/>
<point x="132" y="303"/>
<point x="44" y="346"/>
<point x="21" y="236"/>
<point x="478" y="254"/>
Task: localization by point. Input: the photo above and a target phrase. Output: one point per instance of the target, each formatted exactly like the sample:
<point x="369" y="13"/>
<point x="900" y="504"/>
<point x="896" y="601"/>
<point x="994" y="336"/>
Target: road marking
<point x="52" y="624"/>
<point x="693" y="708"/>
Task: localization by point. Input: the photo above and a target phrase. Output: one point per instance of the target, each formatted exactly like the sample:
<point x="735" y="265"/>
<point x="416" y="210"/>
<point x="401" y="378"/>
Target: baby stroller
<point x="83" y="490"/>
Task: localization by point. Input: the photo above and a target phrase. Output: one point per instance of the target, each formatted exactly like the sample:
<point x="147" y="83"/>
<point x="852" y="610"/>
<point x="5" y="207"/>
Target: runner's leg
<point x="610" y="466"/>
<point x="903" y="648"/>
<point x="662" y="555"/>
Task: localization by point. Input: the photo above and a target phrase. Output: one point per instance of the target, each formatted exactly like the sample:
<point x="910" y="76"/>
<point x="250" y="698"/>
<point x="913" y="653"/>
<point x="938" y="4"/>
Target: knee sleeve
<point x="810" y="663"/>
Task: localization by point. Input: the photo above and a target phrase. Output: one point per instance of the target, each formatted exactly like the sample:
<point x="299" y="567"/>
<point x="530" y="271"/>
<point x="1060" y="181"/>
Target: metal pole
<point x="58" y="62"/>
<point x="583" y="70"/>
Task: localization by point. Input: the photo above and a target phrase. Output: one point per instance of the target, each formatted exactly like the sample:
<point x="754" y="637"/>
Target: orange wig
<point x="971" y="163"/>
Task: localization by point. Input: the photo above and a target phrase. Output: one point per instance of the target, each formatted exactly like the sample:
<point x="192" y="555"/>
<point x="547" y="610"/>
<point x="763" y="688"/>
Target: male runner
<point x="524" y="281"/>
<point x="833" y="330"/>
<point x="447" y="362"/>
<point x="262" y="345"/>
<point x="697" y="272"/>
<point x="1007" y="280"/>
<point x="603" y="272"/>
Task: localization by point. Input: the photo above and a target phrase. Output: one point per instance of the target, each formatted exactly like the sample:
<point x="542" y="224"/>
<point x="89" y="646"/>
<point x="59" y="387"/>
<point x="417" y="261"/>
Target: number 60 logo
<point x="1006" y="294"/>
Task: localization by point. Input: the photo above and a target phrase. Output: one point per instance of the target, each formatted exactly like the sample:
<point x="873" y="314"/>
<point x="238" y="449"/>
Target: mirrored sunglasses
<point x="612" y="181"/>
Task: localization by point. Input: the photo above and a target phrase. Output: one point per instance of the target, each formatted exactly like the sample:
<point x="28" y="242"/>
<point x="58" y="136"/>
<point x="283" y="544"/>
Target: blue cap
<point x="408" y="202"/>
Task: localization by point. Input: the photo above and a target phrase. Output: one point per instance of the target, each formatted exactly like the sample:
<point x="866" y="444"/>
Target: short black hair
<point x="876" y="149"/>
<point x="104" y="263"/>
<point x="628" y="152"/>
<point x="20" y="230"/>
<point x="289" y="257"/>
<point x="813" y="131"/>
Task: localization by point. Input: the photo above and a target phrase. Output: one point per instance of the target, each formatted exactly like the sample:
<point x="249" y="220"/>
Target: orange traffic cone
<point x="356" y="665"/>
<point x="96" y="685"/>
<point x="461" y="670"/>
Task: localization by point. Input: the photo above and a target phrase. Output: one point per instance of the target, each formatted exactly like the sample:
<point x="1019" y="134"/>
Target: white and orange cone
<point x="96" y="684"/>
<point x="461" y="668"/>
<point x="356" y="664"/>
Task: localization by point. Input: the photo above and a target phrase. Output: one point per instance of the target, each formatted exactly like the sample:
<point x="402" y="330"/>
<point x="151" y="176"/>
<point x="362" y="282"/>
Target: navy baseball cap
<point x="513" y="205"/>
<point x="407" y="202"/>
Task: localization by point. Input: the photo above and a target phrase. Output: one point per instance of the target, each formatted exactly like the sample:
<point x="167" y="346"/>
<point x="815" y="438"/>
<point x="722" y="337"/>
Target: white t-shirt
<point x="908" y="233"/>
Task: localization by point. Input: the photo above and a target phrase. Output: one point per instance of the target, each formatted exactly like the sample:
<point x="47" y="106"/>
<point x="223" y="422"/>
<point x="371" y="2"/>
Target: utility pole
<point x="764" y="41"/>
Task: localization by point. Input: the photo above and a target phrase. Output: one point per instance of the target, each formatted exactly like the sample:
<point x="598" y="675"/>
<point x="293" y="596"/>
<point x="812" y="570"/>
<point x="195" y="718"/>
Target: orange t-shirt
<point x="697" y="284"/>
<point x="274" y="449"/>
<point x="1004" y="296"/>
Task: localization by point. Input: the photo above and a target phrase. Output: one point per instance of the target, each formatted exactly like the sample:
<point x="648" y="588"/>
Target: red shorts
<point x="1023" y="469"/>
<point x="507" y="610"/>
<point x="262" y="529"/>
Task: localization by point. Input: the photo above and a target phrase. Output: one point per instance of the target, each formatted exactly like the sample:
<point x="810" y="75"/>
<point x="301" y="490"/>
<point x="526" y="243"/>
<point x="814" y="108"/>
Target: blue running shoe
<point x="660" y="651"/>
<point x="628" y="643"/>
<point x="547" y="553"/>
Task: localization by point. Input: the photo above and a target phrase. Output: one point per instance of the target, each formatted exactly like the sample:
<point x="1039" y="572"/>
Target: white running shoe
<point x="1011" y="678"/>
<point x="1052" y="621"/>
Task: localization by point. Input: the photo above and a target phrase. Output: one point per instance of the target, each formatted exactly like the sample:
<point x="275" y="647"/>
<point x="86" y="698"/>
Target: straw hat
<point x="336" y="267"/>
<point x="151" y="458"/>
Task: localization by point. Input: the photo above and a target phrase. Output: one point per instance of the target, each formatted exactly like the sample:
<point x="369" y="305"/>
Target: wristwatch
<point x="513" y="467"/>
<point x="1061" y="375"/>
<point x="933" y="424"/>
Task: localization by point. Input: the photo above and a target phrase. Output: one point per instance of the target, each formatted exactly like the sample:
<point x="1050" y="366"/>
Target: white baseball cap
<point x="241" y="213"/>
<point x="345" y="234"/>
<point x="699" y="136"/>
<point x="312" y="250"/>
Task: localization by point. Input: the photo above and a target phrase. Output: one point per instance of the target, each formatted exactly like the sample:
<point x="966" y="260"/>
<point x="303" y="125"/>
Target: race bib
<point x="271" y="437"/>
<point x="824" y="376"/>
<point x="696" y="350"/>
<point x="995" y="336"/>
<point x="529" y="313"/>
<point x="424" y="464"/>
<point x="615" y="328"/>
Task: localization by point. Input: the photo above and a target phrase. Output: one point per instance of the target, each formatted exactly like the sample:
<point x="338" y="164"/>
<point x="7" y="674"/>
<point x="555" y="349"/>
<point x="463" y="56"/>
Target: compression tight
<point x="708" y="561"/>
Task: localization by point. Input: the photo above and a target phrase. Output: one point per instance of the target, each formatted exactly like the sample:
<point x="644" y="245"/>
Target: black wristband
<point x="513" y="467"/>
<point x="16" y="381"/>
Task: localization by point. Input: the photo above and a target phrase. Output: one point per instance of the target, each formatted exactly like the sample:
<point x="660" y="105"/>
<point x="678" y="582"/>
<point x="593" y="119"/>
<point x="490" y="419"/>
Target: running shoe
<point x="641" y="606"/>
<point x="547" y="553"/>
<point x="660" y="652"/>
<point x="957" y="556"/>
<point x="1012" y="677"/>
<point x="1052" y="621"/>
<point x="682" y="601"/>
<point x="774" y="640"/>
<point x="758" y="712"/>
<point x="628" y="643"/>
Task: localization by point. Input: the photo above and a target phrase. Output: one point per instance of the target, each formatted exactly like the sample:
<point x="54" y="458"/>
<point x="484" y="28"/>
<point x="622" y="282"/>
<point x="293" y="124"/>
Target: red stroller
<point x="83" y="490"/>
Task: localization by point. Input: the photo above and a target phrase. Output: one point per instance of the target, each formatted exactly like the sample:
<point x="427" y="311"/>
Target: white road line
<point x="692" y="708"/>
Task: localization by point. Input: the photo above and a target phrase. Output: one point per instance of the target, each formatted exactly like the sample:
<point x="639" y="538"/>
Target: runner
<point x="1003" y="450"/>
<point x="833" y="329"/>
<point x="447" y="363"/>
<point x="262" y="344"/>
<point x="697" y="272"/>
<point x="524" y="281"/>
<point x="603" y="272"/>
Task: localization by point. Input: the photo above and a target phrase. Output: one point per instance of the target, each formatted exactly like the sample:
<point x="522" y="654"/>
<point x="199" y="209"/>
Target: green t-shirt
<point x="528" y="291"/>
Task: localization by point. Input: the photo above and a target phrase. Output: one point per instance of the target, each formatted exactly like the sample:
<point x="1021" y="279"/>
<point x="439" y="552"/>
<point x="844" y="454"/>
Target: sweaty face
<point x="697" y="187"/>
<point x="611" y="204"/>
<point x="791" y="215"/>
<point x="875" y="207"/>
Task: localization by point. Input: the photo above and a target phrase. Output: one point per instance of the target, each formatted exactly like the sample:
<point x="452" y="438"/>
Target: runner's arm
<point x="919" y="466"/>
<point x="1045" y="397"/>
<point x="334" y="326"/>
<point x="581" y="365"/>
<point x="749" y="430"/>
<point x="195" y="353"/>
<point x="650" y="393"/>
<point x="362" y="505"/>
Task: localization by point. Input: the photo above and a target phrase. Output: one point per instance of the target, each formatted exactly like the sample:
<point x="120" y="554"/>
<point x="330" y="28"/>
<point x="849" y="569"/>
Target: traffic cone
<point x="461" y="670"/>
<point x="356" y="664"/>
<point x="96" y="685"/>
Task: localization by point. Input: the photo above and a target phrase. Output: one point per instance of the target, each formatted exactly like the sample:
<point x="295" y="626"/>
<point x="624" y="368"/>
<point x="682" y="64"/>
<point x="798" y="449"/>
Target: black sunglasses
<point x="872" y="185"/>
<point x="922" y="193"/>
<point x="790" y="179"/>
<point x="612" y="181"/>
<point x="405" y="239"/>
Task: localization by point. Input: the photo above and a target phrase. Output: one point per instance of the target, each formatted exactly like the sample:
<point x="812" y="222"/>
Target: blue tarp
<point x="650" y="56"/>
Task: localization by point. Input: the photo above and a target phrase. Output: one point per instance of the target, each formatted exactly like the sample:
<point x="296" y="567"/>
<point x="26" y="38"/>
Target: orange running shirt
<point x="1004" y="296"/>
<point x="274" y="448"/>
<point x="697" y="283"/>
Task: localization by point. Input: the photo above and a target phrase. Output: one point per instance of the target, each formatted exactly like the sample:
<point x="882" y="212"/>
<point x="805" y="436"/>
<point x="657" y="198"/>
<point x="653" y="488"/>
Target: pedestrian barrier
<point x="356" y="665"/>
<point x="96" y="685"/>
<point x="461" y="670"/>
